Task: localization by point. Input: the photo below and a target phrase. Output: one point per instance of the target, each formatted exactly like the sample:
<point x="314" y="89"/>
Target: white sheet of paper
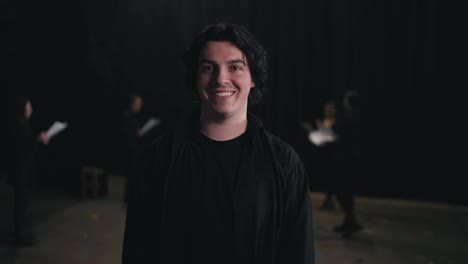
<point x="152" y="122"/>
<point x="56" y="128"/>
<point x="322" y="136"/>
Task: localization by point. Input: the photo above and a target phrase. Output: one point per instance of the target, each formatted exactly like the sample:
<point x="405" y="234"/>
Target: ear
<point x="252" y="84"/>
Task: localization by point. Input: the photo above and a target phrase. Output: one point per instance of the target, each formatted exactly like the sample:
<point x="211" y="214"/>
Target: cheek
<point x="202" y="81"/>
<point x="247" y="84"/>
<point x="201" y="88"/>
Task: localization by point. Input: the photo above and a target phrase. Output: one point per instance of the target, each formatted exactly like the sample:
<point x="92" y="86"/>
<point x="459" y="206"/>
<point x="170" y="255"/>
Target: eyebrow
<point x="229" y="62"/>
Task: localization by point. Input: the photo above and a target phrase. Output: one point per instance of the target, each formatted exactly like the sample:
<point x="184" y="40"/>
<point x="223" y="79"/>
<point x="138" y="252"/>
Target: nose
<point x="222" y="76"/>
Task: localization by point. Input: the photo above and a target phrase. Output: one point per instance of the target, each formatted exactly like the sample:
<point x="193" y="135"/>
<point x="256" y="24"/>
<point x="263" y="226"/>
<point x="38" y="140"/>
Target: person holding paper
<point x="132" y="133"/>
<point x="26" y="143"/>
<point x="327" y="151"/>
<point x="347" y="153"/>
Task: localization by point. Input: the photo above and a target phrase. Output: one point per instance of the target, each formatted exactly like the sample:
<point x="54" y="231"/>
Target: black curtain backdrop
<point x="407" y="58"/>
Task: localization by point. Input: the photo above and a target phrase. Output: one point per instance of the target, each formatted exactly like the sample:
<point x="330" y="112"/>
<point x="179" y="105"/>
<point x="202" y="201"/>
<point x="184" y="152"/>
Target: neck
<point x="221" y="128"/>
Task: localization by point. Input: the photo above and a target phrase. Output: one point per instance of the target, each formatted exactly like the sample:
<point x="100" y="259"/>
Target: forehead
<point x="221" y="50"/>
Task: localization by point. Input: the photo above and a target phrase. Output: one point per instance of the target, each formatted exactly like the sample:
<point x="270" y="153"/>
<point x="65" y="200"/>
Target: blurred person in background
<point x="132" y="138"/>
<point x="326" y="151"/>
<point x="348" y="161"/>
<point x="26" y="145"/>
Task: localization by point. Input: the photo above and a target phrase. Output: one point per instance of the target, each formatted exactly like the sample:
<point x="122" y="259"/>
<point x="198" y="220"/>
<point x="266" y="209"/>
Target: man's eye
<point x="206" y="68"/>
<point x="236" y="68"/>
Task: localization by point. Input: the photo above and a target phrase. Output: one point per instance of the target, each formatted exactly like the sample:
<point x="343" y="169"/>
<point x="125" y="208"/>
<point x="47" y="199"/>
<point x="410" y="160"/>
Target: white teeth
<point x="223" y="94"/>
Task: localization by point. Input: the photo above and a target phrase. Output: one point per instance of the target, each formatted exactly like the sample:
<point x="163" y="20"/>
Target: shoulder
<point x="23" y="128"/>
<point x="283" y="153"/>
<point x="291" y="170"/>
<point x="164" y="144"/>
<point x="160" y="144"/>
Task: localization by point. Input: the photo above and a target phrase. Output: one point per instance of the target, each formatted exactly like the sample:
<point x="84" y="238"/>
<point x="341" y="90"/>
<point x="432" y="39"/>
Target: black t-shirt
<point x="215" y="165"/>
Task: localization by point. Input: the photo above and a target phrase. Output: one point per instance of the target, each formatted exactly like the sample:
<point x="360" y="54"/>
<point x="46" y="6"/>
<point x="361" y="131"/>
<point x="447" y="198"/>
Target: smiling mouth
<point x="222" y="94"/>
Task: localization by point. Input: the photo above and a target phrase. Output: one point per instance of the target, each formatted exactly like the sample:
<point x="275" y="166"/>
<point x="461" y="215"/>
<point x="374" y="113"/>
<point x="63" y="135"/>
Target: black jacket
<point x="22" y="168"/>
<point x="272" y="205"/>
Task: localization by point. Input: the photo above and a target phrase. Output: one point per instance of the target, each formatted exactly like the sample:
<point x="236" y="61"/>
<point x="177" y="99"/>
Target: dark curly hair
<point x="243" y="40"/>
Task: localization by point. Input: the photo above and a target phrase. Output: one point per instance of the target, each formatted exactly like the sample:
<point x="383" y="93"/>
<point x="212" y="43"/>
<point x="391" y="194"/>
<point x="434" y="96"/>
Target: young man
<point x="220" y="188"/>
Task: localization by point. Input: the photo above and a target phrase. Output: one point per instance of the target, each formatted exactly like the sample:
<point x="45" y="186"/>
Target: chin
<point x="221" y="112"/>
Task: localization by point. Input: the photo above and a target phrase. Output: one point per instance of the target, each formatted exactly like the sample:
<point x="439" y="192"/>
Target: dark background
<point x="78" y="60"/>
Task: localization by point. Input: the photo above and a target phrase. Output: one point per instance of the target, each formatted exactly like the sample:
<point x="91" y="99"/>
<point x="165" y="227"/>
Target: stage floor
<point x="74" y="231"/>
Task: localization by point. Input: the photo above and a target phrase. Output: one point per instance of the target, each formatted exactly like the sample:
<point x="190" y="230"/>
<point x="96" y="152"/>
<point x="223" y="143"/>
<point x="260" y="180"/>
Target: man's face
<point x="224" y="80"/>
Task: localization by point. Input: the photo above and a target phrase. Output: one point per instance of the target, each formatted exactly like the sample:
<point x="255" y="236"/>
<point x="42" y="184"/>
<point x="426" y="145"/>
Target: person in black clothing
<point x="326" y="154"/>
<point x="219" y="187"/>
<point x="347" y="154"/>
<point x="132" y="134"/>
<point x="26" y="143"/>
